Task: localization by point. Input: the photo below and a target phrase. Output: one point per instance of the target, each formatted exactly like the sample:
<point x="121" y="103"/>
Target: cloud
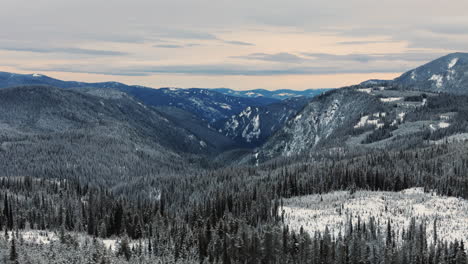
<point x="276" y="57"/>
<point x="185" y="34"/>
<point x="240" y="43"/>
<point x="78" y="51"/>
<point x="364" y="42"/>
<point x="176" y="46"/>
<point x="221" y="69"/>
<point x="365" y="58"/>
<point x="169" y="46"/>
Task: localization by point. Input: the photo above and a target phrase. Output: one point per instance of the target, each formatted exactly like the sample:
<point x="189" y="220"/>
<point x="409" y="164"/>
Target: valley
<point x="112" y="173"/>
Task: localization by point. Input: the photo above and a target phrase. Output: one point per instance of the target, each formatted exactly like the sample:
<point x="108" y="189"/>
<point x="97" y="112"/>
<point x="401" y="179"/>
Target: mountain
<point x="360" y="118"/>
<point x="254" y="125"/>
<point x="99" y="132"/>
<point x="326" y="117"/>
<point x="447" y="74"/>
<point x="206" y="104"/>
<point x="198" y="127"/>
<point x="277" y="94"/>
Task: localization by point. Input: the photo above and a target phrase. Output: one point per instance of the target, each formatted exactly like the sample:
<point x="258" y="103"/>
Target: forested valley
<point x="229" y="215"/>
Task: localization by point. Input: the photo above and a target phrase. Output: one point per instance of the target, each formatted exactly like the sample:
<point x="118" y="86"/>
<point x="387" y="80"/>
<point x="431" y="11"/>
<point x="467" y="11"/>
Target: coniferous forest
<point x="229" y="215"/>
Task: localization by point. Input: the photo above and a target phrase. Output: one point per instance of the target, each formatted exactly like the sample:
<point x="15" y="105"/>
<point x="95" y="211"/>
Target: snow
<point x="424" y="102"/>
<point x="444" y="124"/>
<point x="225" y="106"/>
<point x="41" y="237"/>
<point x="453" y="138"/>
<point x="438" y="79"/>
<point x="255" y="132"/>
<point x="413" y="75"/>
<point x="246" y="112"/>
<point x="252" y="94"/>
<point x="37" y="75"/>
<point x="297" y="117"/>
<point x="365" y="90"/>
<point x="390" y="99"/>
<point x="285" y="94"/>
<point x="452" y="63"/>
<point x="366" y="121"/>
<point x="362" y="122"/>
<point x="202" y="144"/>
<point x="401" y="116"/>
<point x="338" y="207"/>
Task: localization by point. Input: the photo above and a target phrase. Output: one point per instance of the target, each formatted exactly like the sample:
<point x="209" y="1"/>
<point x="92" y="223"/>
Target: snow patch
<point x="452" y="63"/>
<point x="444" y="124"/>
<point x="202" y="144"/>
<point x="334" y="210"/>
<point x="365" y="90"/>
<point x="225" y="106"/>
<point x="390" y="99"/>
<point x="438" y="79"/>
<point x="36" y="75"/>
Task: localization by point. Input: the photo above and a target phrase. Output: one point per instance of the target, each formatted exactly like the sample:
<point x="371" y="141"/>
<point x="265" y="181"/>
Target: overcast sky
<point x="240" y="44"/>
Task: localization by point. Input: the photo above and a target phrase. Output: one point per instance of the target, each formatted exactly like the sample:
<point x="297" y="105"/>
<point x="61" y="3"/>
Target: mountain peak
<point x="445" y="74"/>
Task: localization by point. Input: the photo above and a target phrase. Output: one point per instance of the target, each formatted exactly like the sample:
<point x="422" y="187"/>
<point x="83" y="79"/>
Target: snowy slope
<point x="254" y="125"/>
<point x="446" y="74"/>
<point x="315" y="212"/>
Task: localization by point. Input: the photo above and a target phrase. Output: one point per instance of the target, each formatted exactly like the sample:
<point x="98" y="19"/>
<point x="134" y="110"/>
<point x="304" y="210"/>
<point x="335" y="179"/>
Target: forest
<point x="229" y="214"/>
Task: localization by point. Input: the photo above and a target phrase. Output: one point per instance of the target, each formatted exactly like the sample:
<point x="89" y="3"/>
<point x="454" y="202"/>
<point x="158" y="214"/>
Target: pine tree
<point x="13" y="252"/>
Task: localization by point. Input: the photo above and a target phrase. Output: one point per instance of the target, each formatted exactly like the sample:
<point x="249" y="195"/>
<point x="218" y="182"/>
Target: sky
<point x="238" y="44"/>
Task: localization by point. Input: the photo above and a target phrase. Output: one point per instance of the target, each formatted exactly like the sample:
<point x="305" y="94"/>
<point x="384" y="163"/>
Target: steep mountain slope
<point x="207" y="104"/>
<point x="204" y="103"/>
<point x="446" y="74"/>
<point x="360" y="118"/>
<point x="46" y="131"/>
<point x="277" y="94"/>
<point x="254" y="125"/>
<point x="198" y="127"/>
<point x="328" y="117"/>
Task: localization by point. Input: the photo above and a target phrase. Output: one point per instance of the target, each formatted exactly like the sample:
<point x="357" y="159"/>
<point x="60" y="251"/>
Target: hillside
<point x="254" y="125"/>
<point x="448" y="74"/>
<point x="206" y="104"/>
<point x="334" y="210"/>
<point x="53" y="132"/>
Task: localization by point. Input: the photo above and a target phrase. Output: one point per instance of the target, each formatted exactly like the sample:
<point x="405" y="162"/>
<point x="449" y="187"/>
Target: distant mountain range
<point x="276" y="94"/>
<point x="206" y="104"/>
<point x="423" y="106"/>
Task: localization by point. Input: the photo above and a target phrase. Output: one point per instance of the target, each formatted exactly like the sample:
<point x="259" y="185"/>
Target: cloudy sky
<point x="240" y="44"/>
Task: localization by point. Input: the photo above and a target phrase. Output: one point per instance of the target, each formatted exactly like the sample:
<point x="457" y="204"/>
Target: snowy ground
<point x="46" y="237"/>
<point x="334" y="211"/>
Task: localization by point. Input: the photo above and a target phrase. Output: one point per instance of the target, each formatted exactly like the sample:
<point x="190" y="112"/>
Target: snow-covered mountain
<point x="446" y="74"/>
<point x="206" y="104"/>
<point x="276" y="94"/>
<point x="326" y="117"/>
<point x="60" y="131"/>
<point x="254" y="125"/>
<point x="363" y="117"/>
